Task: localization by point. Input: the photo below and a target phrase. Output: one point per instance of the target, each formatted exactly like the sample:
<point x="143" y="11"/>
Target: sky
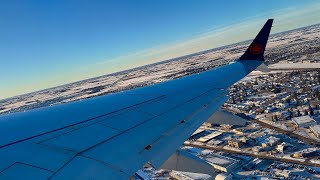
<point x="46" y="43"/>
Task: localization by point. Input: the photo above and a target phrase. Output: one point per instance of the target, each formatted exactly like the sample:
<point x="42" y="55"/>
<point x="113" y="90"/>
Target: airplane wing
<point x="112" y="136"/>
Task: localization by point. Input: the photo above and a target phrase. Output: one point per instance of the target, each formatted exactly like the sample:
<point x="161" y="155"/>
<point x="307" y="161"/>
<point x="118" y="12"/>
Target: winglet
<point x="256" y="49"/>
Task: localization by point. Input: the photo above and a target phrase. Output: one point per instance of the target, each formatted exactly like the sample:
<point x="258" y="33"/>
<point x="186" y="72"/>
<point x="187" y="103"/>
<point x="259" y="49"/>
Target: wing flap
<point x="80" y="140"/>
<point x="125" y="121"/>
<point x="138" y="149"/>
<point x="43" y="122"/>
<point x="25" y="172"/>
<point x="85" y="168"/>
<point x="34" y="155"/>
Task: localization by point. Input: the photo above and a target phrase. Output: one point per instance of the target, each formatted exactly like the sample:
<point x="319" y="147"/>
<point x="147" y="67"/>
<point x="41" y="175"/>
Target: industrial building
<point x="304" y="121"/>
<point x="315" y="130"/>
<point x="222" y="163"/>
<point x="209" y="136"/>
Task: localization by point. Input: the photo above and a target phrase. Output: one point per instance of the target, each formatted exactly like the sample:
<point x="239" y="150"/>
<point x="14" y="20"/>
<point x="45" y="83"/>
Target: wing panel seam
<point x="84" y="121"/>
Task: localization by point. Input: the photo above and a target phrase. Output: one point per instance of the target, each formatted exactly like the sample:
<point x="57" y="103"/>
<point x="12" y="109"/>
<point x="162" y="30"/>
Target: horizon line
<point x="154" y="63"/>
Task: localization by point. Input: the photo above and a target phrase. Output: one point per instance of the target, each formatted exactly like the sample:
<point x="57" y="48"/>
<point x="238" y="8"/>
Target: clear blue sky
<point x="44" y="43"/>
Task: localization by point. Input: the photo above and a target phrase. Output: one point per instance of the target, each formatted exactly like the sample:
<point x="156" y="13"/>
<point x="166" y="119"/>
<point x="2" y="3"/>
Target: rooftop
<point x="290" y="66"/>
<point x="220" y="160"/>
<point x="271" y="139"/>
<point x="303" y="119"/>
<point x="316" y="128"/>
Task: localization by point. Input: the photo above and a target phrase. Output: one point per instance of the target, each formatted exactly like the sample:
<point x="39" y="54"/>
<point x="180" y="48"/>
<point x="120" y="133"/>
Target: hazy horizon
<point x="164" y="60"/>
<point x="25" y="70"/>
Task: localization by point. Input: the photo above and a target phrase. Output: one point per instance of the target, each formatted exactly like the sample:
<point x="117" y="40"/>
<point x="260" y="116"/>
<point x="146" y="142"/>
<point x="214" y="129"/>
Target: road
<point x="280" y="130"/>
<point x="231" y="151"/>
<point x="287" y="132"/>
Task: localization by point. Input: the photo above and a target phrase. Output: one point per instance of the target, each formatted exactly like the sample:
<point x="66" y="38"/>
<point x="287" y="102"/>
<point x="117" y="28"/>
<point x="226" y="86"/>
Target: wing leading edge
<point x="112" y="136"/>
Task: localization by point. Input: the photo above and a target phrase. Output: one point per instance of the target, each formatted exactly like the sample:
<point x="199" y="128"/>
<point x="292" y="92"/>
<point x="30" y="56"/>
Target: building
<point x="236" y="143"/>
<point x="270" y="141"/>
<point x="253" y="164"/>
<point x="307" y="153"/>
<point x="223" y="177"/>
<point x="285" y="173"/>
<point x="304" y="121"/>
<point x="282" y="105"/>
<point x="222" y="163"/>
<point x="315" y="130"/>
<point x="209" y="136"/>
<point x="284" y="147"/>
<point x="215" y="142"/>
<point x="257" y="149"/>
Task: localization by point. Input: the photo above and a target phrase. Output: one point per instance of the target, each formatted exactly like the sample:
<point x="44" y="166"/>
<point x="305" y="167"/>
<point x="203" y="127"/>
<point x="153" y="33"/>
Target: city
<point x="269" y="127"/>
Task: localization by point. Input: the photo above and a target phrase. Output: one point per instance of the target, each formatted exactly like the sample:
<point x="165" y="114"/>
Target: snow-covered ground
<point x="301" y="41"/>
